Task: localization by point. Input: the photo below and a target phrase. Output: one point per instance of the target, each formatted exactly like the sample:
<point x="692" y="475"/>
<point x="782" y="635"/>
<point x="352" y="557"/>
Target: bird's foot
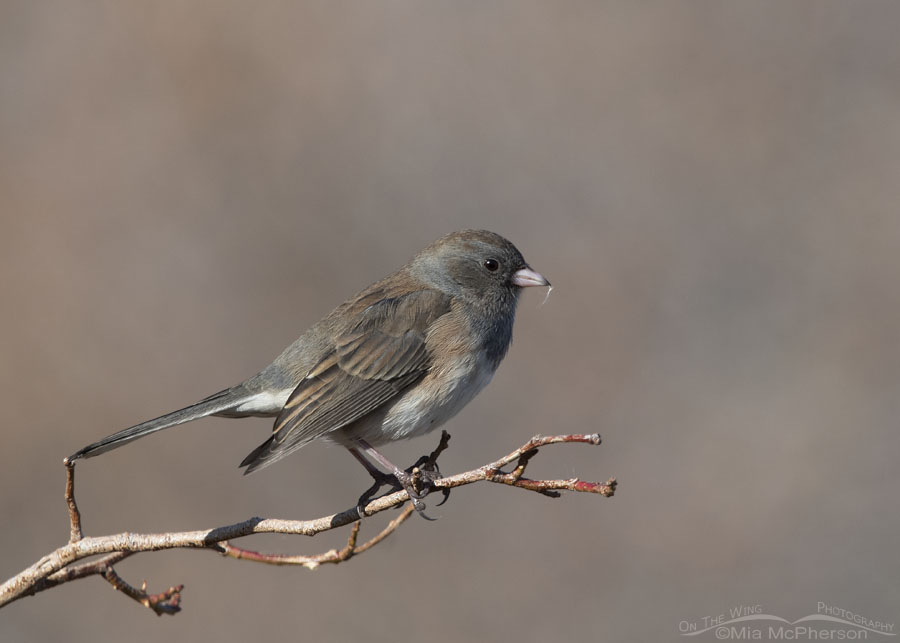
<point x="428" y="467"/>
<point x="380" y="480"/>
<point x="424" y="473"/>
<point x="418" y="480"/>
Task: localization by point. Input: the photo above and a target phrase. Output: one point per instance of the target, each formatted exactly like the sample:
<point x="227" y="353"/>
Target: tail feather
<point x="216" y="403"/>
<point x="260" y="457"/>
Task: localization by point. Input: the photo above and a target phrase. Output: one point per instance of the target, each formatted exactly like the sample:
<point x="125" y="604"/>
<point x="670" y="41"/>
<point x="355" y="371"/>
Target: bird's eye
<point x="491" y="265"/>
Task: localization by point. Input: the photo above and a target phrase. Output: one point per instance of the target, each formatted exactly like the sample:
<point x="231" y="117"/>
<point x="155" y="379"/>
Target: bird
<point x="395" y="361"/>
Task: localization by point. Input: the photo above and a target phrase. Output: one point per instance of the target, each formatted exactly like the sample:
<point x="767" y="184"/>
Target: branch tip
<point x="167" y="602"/>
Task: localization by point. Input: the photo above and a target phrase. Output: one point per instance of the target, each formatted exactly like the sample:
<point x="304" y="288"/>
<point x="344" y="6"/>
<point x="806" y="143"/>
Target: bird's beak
<point x="525" y="277"/>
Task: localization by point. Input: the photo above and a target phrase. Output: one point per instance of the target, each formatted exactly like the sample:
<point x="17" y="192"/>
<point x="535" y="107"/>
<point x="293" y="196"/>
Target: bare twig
<point x="74" y="572"/>
<point x="75" y="533"/>
<point x="332" y="556"/>
<point x="61" y="565"/>
<point x="167" y="602"/>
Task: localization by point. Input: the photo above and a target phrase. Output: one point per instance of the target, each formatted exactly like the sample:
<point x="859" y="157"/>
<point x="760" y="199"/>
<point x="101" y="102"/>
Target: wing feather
<point x="381" y="355"/>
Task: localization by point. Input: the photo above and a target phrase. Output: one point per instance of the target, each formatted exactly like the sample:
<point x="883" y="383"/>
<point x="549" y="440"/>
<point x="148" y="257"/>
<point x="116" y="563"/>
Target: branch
<point x="332" y="556"/>
<point x="62" y="566"/>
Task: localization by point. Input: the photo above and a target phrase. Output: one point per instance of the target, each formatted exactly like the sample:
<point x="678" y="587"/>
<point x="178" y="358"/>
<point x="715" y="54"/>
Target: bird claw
<point x="380" y="480"/>
<point x="419" y="506"/>
<point x="426" y="469"/>
<point x="417" y="482"/>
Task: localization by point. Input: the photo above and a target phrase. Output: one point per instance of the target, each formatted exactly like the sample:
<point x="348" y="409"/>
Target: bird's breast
<point x="442" y="393"/>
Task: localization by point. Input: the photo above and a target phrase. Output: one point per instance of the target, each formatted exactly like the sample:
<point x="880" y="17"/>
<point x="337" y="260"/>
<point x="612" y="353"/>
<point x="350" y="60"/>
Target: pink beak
<point x="526" y="277"/>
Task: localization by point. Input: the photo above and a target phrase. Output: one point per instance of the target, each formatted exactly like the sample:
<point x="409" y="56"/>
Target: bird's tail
<point x="218" y="403"/>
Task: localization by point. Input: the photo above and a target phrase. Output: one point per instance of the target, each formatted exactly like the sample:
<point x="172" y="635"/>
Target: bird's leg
<point x="414" y="481"/>
<point x="381" y="480"/>
<point x="419" y="476"/>
<point x="374" y="471"/>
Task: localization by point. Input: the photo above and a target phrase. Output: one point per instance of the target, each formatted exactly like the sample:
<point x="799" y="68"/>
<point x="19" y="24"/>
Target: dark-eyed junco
<point x="395" y="361"/>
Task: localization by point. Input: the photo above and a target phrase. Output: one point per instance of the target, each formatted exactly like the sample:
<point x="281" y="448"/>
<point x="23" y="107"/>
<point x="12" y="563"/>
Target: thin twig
<point x="167" y="602"/>
<point x="75" y="533"/>
<point x="332" y="556"/>
<point x="79" y="570"/>
<point x="61" y="565"/>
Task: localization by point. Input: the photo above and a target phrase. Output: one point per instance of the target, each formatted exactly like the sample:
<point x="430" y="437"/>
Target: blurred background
<point x="711" y="187"/>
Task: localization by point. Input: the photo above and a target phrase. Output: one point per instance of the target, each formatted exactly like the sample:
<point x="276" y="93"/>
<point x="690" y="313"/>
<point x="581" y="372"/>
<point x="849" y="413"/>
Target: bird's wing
<point x="377" y="357"/>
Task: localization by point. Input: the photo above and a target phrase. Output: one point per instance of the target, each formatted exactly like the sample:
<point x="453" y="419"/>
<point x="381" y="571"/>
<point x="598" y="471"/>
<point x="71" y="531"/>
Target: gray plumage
<point x="396" y="360"/>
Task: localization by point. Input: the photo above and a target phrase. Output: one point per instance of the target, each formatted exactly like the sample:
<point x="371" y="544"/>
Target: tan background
<point x="713" y="189"/>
